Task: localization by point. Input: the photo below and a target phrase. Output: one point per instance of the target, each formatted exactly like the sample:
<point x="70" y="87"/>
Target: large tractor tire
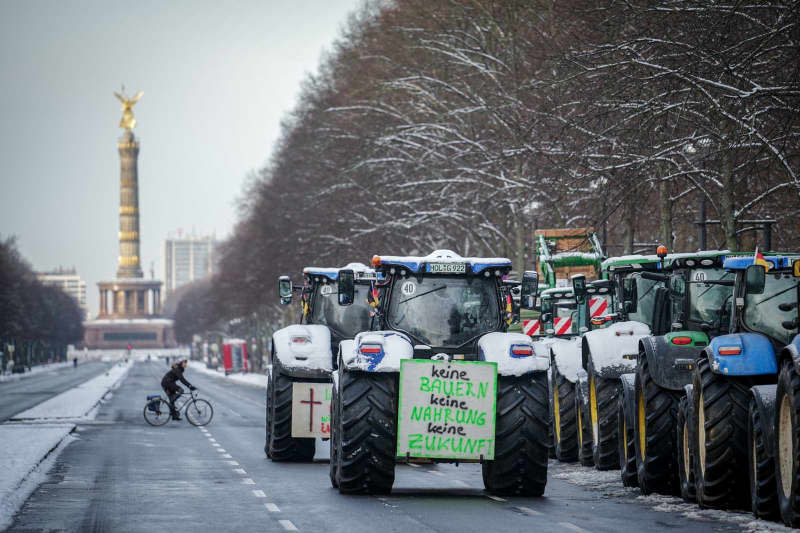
<point x="334" y="442"/>
<point x="686" y="448"/>
<point x="521" y="447"/>
<point x="787" y="445"/>
<point x="551" y="435"/>
<point x="720" y="422"/>
<point x="763" y="494"/>
<point x="603" y="396"/>
<point x="627" y="448"/>
<point x="565" y="425"/>
<point x="367" y="431"/>
<point x="280" y="445"/>
<point x="584" y="425"/>
<point x="656" y="418"/>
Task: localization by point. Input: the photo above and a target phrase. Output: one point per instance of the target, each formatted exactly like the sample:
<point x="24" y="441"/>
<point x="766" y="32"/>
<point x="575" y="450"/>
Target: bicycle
<point x="197" y="410"/>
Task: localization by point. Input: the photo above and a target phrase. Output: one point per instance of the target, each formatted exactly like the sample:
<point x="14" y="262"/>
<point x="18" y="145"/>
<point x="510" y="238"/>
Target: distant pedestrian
<point x="10" y="366"/>
<point x="75" y="363"/>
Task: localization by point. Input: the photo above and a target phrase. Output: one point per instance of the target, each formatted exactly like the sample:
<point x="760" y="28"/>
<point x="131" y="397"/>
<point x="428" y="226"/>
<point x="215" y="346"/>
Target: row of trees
<point x="39" y="321"/>
<point x="468" y="124"/>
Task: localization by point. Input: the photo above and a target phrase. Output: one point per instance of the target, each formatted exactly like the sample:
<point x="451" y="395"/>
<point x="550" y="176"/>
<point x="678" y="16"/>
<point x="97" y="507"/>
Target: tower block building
<point x="130" y="305"/>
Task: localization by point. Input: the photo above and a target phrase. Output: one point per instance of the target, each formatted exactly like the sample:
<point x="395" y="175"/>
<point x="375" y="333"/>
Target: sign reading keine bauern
<point x="447" y="409"/>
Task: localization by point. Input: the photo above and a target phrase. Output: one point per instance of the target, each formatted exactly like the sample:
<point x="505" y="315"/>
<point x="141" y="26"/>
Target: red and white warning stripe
<point x="531" y="327"/>
<point x="597" y="307"/>
<point x="562" y="325"/>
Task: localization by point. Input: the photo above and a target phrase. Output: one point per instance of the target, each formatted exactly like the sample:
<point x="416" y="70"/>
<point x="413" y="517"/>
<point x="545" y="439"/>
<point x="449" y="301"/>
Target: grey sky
<point x="217" y="78"/>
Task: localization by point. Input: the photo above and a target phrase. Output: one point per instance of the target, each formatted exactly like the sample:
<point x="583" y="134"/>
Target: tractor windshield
<point x="444" y="311"/>
<point x="646" y="299"/>
<point x="345" y="321"/>
<point x="709" y="302"/>
<point x="774" y="312"/>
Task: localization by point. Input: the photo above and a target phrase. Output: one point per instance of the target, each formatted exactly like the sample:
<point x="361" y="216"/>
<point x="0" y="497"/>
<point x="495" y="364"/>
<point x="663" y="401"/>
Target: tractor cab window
<point x="774" y="312"/>
<point x="645" y="303"/>
<point x="709" y="304"/>
<point x="444" y="311"/>
<point x="345" y="321"/>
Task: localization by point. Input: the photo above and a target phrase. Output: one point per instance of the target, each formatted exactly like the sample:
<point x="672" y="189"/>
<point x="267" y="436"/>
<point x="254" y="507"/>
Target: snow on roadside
<point x="79" y="402"/>
<point x="610" y="484"/>
<point x="27" y="452"/>
<point x="252" y="379"/>
<point x="52" y="367"/>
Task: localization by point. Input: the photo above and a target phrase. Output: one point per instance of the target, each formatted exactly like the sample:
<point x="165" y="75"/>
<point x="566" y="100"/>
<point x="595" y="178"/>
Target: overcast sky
<point x="217" y="79"/>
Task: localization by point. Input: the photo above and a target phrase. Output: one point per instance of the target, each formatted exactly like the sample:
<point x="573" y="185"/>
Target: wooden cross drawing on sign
<point x="311" y="403"/>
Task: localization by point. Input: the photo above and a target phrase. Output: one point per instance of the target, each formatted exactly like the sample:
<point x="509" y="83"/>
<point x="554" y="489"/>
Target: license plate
<point x="447" y="268"/>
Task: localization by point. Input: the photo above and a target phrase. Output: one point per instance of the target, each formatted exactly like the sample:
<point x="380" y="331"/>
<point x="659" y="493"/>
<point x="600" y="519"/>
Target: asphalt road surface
<point x="123" y="475"/>
<point x="19" y="395"/>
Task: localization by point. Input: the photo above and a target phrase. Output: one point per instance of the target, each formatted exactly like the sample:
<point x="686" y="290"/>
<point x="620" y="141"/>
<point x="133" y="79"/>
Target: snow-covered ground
<point x="252" y="379"/>
<point x="610" y="484"/>
<point x="26" y="454"/>
<point x="79" y="402"/>
<point x="117" y="355"/>
<point x="34" y="371"/>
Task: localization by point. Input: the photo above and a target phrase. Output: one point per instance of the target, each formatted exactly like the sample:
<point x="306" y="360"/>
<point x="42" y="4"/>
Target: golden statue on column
<point x="127" y="121"/>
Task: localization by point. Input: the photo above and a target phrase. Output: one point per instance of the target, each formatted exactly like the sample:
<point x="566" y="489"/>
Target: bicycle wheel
<point x="158" y="415"/>
<point x="199" y="412"/>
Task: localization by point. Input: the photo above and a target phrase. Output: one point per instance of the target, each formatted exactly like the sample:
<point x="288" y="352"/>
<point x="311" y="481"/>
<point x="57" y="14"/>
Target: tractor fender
<point x="670" y="364"/>
<point x="567" y="357"/>
<point x="756" y="355"/>
<point x="303" y="350"/>
<point x="629" y="399"/>
<point x="792" y="351"/>
<point x="688" y="390"/>
<point x="764" y="398"/>
<point x="613" y="350"/>
<point x="390" y="348"/>
<point x="498" y="347"/>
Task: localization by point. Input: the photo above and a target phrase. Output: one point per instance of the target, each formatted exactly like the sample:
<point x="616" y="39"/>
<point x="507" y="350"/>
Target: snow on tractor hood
<point x="359" y="269"/>
<point x="306" y="346"/>
<point x="616" y="347"/>
<point x="513" y="353"/>
<point x="567" y="357"/>
<point x="376" y="351"/>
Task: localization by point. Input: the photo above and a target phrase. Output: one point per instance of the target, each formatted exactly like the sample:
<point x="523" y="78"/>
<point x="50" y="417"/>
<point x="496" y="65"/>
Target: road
<point x="24" y="393"/>
<point x="123" y="475"/>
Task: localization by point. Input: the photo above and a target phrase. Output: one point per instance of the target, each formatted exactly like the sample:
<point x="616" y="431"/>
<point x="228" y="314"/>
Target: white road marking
<point x="413" y="464"/>
<point x="462" y="483"/>
<point x="259" y="494"/>
<point x="221" y="450"/>
<point x="240" y="471"/>
<point x="436" y="472"/>
<point x="227" y="456"/>
<point x="496" y="498"/>
<point x="573" y="527"/>
<point x="248" y="481"/>
<point x="287" y="525"/>
<point x="211" y="439"/>
<point x="233" y="463"/>
<point x="216" y="444"/>
<point x="272" y="508"/>
<point x="528" y="511"/>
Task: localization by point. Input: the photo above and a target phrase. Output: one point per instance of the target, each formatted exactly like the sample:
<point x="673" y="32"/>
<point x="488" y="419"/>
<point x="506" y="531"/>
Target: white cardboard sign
<point x="447" y="409"/>
<point x="311" y="410"/>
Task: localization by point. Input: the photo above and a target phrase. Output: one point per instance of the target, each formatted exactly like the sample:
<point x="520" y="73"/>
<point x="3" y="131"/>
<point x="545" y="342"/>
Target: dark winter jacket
<point x="175" y="374"/>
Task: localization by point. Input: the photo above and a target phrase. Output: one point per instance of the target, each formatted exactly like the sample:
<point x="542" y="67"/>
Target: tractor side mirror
<point x="546" y="318"/>
<point x="285" y="290"/>
<point x="530" y="287"/>
<point x="579" y="287"/>
<point x="755" y="278"/>
<point x="347" y="287"/>
<point x="629" y="294"/>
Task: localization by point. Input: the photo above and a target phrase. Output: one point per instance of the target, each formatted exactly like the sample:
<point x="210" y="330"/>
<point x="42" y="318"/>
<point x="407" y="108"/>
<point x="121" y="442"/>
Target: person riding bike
<point x="170" y="385"/>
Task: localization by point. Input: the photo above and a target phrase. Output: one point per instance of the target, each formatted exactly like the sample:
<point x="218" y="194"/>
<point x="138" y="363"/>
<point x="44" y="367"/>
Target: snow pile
<point x="252" y="379"/>
<point x="616" y="347"/>
<point x="78" y="402"/>
<point x="27" y="452"/>
<point x="33" y="371"/>
<point x="670" y="504"/>
<point x="607" y="482"/>
<point x="306" y="346"/>
<point x="568" y="357"/>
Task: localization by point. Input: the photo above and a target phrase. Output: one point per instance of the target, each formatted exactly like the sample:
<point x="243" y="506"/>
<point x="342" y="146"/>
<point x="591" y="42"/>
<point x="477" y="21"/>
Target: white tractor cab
<point x="438" y="379"/>
<point x="566" y="314"/>
<point x="299" y="388"/>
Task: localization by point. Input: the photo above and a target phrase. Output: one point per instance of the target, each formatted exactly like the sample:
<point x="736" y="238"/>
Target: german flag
<point x="758" y="259"/>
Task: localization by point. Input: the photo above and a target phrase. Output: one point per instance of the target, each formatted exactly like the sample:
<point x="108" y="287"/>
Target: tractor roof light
<point x="376" y="261"/>
<point x="661" y="251"/>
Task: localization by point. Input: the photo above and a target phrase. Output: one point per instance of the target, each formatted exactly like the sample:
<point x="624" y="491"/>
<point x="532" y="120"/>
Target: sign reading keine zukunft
<point x="447" y="409"/>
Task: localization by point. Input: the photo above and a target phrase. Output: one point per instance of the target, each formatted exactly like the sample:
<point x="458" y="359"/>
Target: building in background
<point x="188" y="259"/>
<point x="68" y="280"/>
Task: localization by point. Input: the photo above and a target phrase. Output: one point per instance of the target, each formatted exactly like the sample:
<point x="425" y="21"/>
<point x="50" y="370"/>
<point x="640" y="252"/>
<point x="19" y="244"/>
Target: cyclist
<point x="170" y="385"/>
